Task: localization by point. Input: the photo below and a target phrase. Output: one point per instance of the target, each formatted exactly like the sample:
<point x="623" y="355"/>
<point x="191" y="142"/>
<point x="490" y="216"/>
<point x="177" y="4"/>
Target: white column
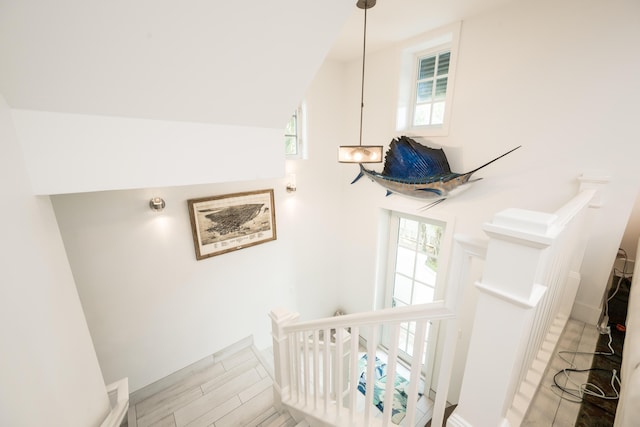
<point x="509" y="290"/>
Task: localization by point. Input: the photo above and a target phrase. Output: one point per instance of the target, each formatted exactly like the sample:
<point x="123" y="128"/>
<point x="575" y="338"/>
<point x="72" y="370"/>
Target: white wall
<point x="632" y="232"/>
<point x="519" y="85"/>
<point x="558" y="78"/>
<point x="49" y="374"/>
<point x="153" y="309"/>
<point x="74" y="153"/>
<point x="529" y="73"/>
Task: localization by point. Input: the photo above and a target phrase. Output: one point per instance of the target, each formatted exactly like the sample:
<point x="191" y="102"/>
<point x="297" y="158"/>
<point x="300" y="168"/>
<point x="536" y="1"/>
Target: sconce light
<point x="291" y="184"/>
<point x="157" y="204"/>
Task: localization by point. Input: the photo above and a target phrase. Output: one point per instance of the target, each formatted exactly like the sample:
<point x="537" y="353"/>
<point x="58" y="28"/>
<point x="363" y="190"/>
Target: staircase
<point x="531" y="273"/>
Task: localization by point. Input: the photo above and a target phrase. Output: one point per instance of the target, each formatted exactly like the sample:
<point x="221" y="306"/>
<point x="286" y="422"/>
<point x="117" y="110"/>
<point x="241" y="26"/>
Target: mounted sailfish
<point x="420" y="172"/>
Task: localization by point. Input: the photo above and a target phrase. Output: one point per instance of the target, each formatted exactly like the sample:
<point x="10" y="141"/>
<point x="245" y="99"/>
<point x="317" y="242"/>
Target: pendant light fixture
<point x="361" y="153"/>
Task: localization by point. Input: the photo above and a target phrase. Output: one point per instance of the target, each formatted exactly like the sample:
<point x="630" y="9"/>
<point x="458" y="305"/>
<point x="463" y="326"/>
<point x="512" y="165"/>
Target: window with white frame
<point x="414" y="249"/>
<point x="427" y="74"/>
<point x="431" y="89"/>
<point x="293" y="140"/>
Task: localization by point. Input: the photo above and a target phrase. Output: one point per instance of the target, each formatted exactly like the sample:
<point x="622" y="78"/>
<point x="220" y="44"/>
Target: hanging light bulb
<point x="361" y="153"/>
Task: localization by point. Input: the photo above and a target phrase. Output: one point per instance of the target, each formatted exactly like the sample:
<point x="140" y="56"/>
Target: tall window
<point x="431" y="89"/>
<point x="294" y="135"/>
<point x="427" y="79"/>
<point x="412" y="270"/>
<point x="291" y="136"/>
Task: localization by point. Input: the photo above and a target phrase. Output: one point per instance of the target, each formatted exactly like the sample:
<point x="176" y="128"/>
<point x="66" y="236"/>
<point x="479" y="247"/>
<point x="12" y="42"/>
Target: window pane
<point x="424" y="271"/>
<point x="422" y="115"/>
<point x="402" y="342"/>
<point x="408" y="232"/>
<point x="425" y="91"/>
<point x="427" y="67"/>
<point x="405" y="261"/>
<point x="441" y="88"/>
<point x="402" y="289"/>
<point x="291" y="126"/>
<point x="410" y="339"/>
<point x="422" y="294"/>
<point x="443" y="63"/>
<point x="438" y="113"/>
<point x="290" y="145"/>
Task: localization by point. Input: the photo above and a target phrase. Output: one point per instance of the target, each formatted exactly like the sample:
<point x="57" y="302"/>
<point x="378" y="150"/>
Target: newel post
<point x="281" y="317"/>
<point x="508" y="292"/>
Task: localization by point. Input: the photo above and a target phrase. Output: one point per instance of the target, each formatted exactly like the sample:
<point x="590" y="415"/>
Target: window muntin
<point x="295" y="135"/>
<point x="291" y="147"/>
<point x="431" y="89"/>
<point x="414" y="253"/>
<point x="427" y="80"/>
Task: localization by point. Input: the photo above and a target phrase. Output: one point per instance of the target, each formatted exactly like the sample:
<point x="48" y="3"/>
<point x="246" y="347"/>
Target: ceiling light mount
<point x="361" y="153"/>
<point x="366" y="4"/>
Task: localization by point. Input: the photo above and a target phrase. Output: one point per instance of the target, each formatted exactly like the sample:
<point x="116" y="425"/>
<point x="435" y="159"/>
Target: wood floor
<point x="235" y="390"/>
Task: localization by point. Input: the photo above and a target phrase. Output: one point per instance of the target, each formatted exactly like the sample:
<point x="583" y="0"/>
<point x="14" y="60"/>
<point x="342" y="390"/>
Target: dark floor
<point x="597" y="411"/>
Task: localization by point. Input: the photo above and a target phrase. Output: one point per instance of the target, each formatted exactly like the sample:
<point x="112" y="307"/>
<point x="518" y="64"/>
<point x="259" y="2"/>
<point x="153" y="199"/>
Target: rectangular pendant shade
<point x="360" y="154"/>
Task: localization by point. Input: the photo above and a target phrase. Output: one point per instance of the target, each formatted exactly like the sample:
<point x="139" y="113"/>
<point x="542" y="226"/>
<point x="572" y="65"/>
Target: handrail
<point x="432" y="311"/>
<point x="317" y="364"/>
<point x="570" y="209"/>
<point x="533" y="256"/>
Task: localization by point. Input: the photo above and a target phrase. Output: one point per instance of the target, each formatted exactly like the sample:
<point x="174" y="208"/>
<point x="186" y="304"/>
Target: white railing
<point x="319" y="377"/>
<point x="530" y="279"/>
<point x="529" y="282"/>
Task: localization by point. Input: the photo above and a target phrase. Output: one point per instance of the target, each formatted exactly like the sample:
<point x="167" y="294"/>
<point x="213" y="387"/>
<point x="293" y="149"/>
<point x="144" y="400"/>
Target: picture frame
<point x="229" y="222"/>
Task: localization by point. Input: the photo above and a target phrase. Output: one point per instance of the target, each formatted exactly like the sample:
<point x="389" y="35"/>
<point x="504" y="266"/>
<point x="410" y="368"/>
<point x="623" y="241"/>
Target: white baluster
<point x="391" y="374"/>
<point x="306" y="369"/>
<point x="372" y="345"/>
<point x="294" y="348"/>
<point x="326" y="374"/>
<point x="416" y="368"/>
<point x="353" y="381"/>
<point x="316" y="368"/>
<point x="339" y="369"/>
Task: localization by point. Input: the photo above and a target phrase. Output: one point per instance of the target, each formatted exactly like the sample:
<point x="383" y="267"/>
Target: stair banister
<point x="529" y="274"/>
<point x="297" y="375"/>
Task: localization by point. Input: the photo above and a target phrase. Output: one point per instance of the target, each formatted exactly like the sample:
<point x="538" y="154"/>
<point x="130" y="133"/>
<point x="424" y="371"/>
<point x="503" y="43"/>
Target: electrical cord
<point x="581" y="389"/>
<point x="585" y="389"/>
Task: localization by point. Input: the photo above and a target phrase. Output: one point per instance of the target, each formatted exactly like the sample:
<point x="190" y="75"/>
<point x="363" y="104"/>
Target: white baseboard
<point x="585" y="313"/>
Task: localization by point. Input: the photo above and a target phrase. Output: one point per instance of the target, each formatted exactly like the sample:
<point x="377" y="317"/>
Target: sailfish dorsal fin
<point x="407" y="159"/>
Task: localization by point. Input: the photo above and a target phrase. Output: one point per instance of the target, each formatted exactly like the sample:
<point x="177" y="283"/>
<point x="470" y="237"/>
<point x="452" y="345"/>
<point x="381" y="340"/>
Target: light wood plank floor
<point x="233" y="391"/>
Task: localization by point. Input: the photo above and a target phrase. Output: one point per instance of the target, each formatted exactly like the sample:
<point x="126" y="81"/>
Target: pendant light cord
<point x="364" y="51"/>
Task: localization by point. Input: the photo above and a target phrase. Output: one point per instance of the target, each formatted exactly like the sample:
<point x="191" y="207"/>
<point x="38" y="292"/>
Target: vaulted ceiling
<point x="228" y="62"/>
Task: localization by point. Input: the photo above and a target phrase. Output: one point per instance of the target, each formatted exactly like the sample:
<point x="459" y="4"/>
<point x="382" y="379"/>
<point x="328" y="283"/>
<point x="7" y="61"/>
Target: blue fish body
<point x="420" y="172"/>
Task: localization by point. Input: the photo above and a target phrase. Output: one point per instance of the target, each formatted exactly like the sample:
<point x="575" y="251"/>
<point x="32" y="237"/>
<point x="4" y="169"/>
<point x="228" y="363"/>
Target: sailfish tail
<point x="491" y="161"/>
<point x="360" y="175"/>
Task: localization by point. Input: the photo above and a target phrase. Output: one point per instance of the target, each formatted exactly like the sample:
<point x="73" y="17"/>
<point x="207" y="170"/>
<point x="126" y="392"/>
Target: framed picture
<point x="226" y="223"/>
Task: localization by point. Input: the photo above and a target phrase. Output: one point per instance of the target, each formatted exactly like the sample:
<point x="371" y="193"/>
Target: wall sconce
<point x="157" y="204"/>
<point x="291" y="184"/>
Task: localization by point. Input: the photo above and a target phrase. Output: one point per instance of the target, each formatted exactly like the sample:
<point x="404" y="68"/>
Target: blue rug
<point x="401" y="388"/>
